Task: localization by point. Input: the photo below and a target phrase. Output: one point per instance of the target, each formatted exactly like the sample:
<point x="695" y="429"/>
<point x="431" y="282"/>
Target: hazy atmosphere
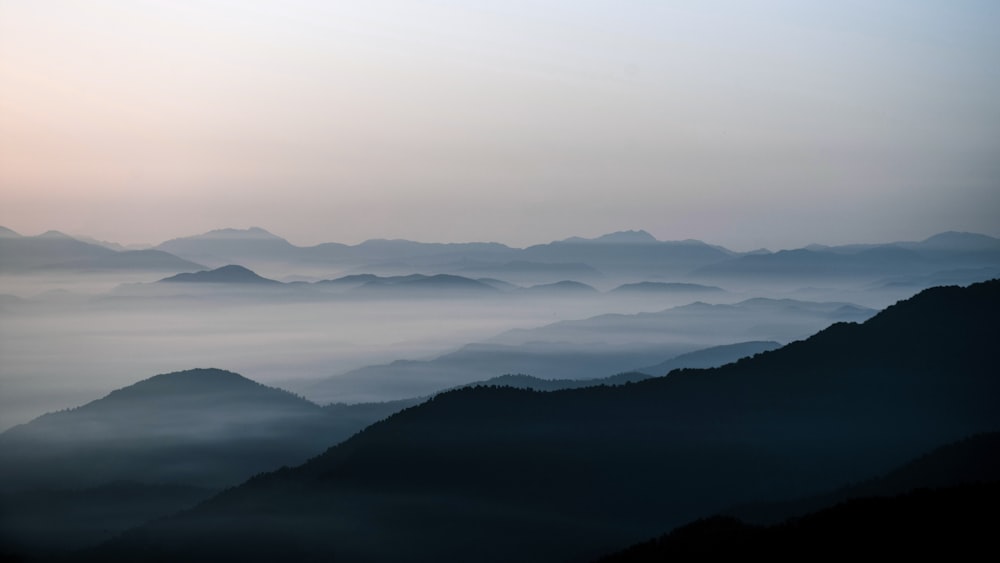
<point x="456" y="280"/>
<point x="771" y="124"/>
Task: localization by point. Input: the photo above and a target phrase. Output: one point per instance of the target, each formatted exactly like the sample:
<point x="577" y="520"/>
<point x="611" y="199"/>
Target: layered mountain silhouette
<point x="56" y="251"/>
<point x="711" y="357"/>
<point x="945" y="251"/>
<point x="634" y="253"/>
<point x="526" y="271"/>
<point x="757" y="318"/>
<point x="229" y="246"/>
<point x="493" y="473"/>
<point x="563" y="287"/>
<point x="628" y="252"/>
<point x="522" y="381"/>
<point x="646" y="288"/>
<point x="423" y="283"/>
<point x="589" y="348"/>
<point x="202" y="427"/>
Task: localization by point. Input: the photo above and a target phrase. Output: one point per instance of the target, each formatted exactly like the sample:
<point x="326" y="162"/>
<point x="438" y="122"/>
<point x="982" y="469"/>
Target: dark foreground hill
<point x="46" y="522"/>
<point x="950" y="524"/>
<point x="972" y="460"/>
<point x="497" y="474"/>
<point x="936" y="504"/>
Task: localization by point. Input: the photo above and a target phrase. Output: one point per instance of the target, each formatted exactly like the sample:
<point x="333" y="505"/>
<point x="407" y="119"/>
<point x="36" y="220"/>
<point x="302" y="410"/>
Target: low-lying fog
<point x="64" y="344"/>
<point x="67" y="340"/>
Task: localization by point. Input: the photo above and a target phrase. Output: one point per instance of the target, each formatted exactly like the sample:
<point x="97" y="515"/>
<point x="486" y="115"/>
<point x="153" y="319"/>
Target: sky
<point x="749" y="124"/>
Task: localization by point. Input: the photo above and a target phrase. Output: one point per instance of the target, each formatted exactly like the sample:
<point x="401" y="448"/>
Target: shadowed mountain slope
<point x="498" y="474"/>
<point x="948" y="524"/>
<point x="957" y="485"/>
<point x="711" y="357"/>
<point x="203" y="427"/>
<point x="589" y="348"/>
<point x="973" y="460"/>
<point x="47" y="522"/>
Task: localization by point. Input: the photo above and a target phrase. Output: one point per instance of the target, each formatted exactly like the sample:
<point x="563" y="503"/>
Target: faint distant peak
<point x="54" y="235"/>
<point x="639" y="236"/>
<point x="564" y="285"/>
<point x="8" y="233"/>
<point x="959" y="238"/>
<point x="649" y="286"/>
<point x="816" y="247"/>
<point x="106" y="244"/>
<point x="232" y="273"/>
<point x="198" y="376"/>
<point x="619" y="237"/>
<point x="255" y="233"/>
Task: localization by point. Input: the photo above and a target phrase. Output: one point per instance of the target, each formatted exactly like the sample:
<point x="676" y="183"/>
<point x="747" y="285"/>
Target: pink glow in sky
<point x="746" y="124"/>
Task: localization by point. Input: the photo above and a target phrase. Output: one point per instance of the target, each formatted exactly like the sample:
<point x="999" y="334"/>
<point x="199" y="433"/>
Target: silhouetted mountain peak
<point x="423" y="282"/>
<point x="8" y="233"/>
<point x="669" y="287"/>
<point x="564" y="285"/>
<point x="188" y="381"/>
<point x="631" y="237"/>
<point x="193" y="382"/>
<point x="619" y="237"/>
<point x="253" y="233"/>
<point x="55" y="235"/>
<point x="232" y="273"/>
<point x="961" y="240"/>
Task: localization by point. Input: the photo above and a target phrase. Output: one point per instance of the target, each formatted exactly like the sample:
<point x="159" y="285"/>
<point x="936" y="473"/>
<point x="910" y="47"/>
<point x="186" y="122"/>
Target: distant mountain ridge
<point x="55" y="251"/>
<point x="628" y="251"/>
<point x="949" y="250"/>
<point x="624" y="256"/>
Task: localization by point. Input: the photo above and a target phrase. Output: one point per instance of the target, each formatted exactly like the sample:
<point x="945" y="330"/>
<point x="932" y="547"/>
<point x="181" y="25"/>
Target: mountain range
<point x="54" y="251"/>
<point x="615" y="258"/>
<point x="622" y="255"/>
<point x="177" y="438"/>
<point x="498" y="474"/>
<point x="589" y="348"/>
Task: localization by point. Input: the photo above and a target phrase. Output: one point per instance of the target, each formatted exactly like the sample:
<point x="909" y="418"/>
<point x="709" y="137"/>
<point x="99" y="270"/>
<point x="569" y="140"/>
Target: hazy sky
<point x="742" y="123"/>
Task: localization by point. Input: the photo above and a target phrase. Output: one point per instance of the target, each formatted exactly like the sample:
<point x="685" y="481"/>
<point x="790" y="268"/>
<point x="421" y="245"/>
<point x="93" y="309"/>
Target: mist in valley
<point x="77" y="339"/>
